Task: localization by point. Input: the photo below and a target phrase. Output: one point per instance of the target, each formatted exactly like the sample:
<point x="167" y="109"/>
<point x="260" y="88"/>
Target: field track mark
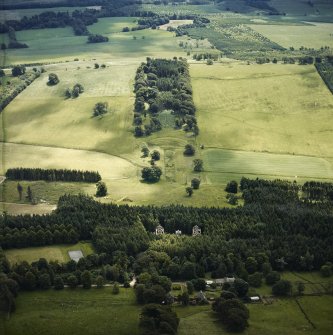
<point x="305" y="315"/>
<point x="77" y="149"/>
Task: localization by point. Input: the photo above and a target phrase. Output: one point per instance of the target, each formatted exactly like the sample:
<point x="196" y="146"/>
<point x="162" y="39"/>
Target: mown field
<point x="267" y="108"/>
<point x="50" y="253"/>
<point x="298" y="36"/>
<point x="76" y="311"/>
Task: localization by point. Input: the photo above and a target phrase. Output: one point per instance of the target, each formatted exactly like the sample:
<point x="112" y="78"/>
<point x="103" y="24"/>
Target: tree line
<point x="53" y="175"/>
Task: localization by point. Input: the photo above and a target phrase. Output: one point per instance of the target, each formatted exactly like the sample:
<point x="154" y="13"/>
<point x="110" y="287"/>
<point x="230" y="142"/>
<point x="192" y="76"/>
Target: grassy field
<point x="95" y="311"/>
<point x="268" y="108"/>
<point x="60" y="44"/>
<point x="51" y="253"/>
<point x="311" y="36"/>
<point x="79" y="310"/>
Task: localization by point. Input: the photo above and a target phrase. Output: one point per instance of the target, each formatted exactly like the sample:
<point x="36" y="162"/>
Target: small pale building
<point x="159" y="230"/>
<point x="196" y="230"/>
<point x="178" y="232"/>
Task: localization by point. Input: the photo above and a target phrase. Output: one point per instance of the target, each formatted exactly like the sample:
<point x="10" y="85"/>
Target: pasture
<point x="94" y="311"/>
<point x="264" y="108"/>
<point x="60" y="44"/>
<point x="50" y="253"/>
<point x="314" y="35"/>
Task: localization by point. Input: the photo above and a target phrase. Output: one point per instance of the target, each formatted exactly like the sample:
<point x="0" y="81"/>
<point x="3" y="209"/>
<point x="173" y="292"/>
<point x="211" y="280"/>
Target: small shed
<point x="178" y="232"/>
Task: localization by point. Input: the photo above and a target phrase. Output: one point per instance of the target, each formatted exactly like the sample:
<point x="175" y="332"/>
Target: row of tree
<point x="53" y="175"/>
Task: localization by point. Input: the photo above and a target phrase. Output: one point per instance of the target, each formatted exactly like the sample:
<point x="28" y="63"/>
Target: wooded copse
<point x="163" y="85"/>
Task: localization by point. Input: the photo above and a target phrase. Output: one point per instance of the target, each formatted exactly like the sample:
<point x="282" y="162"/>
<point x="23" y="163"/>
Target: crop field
<point x="310" y="36"/>
<point x="107" y="26"/>
<point x="265" y="165"/>
<point x="268" y="108"/>
<point x="50" y="253"/>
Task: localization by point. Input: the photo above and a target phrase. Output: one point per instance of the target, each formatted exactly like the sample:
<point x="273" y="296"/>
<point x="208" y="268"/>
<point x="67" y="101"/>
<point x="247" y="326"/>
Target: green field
<point x="94" y="311"/>
<point x="311" y="36"/>
<point x="76" y="311"/>
<point x="51" y="253"/>
<point x="60" y="44"/>
<point x="264" y="108"/>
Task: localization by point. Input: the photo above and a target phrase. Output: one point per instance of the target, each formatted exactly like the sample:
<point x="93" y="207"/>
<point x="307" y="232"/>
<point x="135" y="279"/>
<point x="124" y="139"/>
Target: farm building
<point x="196" y="230"/>
<point x="159" y="230"/>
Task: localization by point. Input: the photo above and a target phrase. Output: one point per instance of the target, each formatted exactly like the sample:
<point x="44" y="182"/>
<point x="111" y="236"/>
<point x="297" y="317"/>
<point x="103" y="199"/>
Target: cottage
<point x="196" y="230"/>
<point x="178" y="232"/>
<point x="159" y="230"/>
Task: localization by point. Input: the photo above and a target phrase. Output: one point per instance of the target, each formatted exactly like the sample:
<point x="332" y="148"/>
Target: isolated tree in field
<point x="53" y="79"/>
<point x="77" y="90"/>
<point x="282" y="288"/>
<point x="232" y="187"/>
<point x="96" y="66"/>
<point x="155" y="155"/>
<point x="29" y="194"/>
<point x="198" y="165"/>
<point x="100" y="108"/>
<point x="101" y="189"/>
<point x="145" y="151"/>
<point x="189" y="191"/>
<point x="18" y="70"/>
<point x="189" y="150"/>
<point x="195" y="183"/>
<point x="20" y="190"/>
<point x="272" y="278"/>
<point x="68" y="93"/>
<point x="2" y="73"/>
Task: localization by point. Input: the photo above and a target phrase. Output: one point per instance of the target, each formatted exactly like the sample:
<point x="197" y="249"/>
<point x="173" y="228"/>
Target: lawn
<point x="69" y="312"/>
<point x="265" y="108"/>
<point x="316" y="35"/>
<point x="51" y="253"/>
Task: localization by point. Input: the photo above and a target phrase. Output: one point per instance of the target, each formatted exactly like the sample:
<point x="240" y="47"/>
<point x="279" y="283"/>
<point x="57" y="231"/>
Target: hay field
<point x="316" y="35"/>
<point x="268" y="108"/>
<point x="50" y="253"/>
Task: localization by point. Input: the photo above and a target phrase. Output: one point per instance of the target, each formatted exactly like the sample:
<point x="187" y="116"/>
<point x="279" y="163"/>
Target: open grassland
<point x="50" y="253"/>
<point x="270" y="108"/>
<point x="23" y="209"/>
<point x="310" y="36"/>
<point x="69" y="312"/>
<point x="60" y="44"/>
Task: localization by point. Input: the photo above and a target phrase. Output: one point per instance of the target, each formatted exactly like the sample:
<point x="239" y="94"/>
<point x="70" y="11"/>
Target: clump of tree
<point x="18" y="70"/>
<point x="97" y="39"/>
<point x="75" y="91"/>
<point x="195" y="183"/>
<point x="232" y="312"/>
<point x="157" y="319"/>
<point x="151" y="174"/>
<point x="13" y="42"/>
<point x="53" y="79"/>
<point x="189" y="191"/>
<point x="232" y="187"/>
<point x="100" y="108"/>
<point x="161" y="85"/>
<point x="101" y="189"/>
<point x="155" y="155"/>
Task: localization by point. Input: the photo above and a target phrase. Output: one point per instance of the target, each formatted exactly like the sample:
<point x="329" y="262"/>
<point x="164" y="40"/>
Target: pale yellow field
<point x="270" y="108"/>
<point x="316" y="35"/>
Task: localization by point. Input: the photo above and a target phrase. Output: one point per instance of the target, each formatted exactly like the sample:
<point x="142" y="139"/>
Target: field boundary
<point x="305" y="315"/>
